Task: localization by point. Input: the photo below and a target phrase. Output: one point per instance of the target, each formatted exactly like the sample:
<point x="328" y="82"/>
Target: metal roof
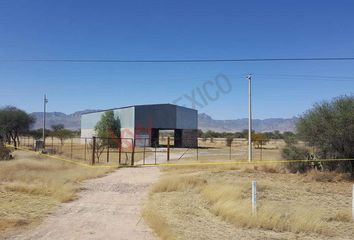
<point x="141" y="105"/>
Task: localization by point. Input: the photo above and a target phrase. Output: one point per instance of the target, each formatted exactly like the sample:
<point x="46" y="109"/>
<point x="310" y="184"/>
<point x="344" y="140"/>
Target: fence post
<point x="144" y="151"/>
<point x="108" y="153"/>
<point x="71" y="148"/>
<point x="120" y="150"/>
<point x="168" y="149"/>
<point x="85" y="148"/>
<point x="254" y="197"/>
<point x="155" y="153"/>
<point x="353" y="203"/>
<point x="133" y="151"/>
<point x="197" y="153"/>
<point x="52" y="144"/>
<point x="93" y="150"/>
<point x="230" y="150"/>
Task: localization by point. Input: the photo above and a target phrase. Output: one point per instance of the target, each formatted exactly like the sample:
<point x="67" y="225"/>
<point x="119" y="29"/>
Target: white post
<point x="249" y="77"/>
<point x="254" y="197"/>
<point x="45" y="100"/>
<point x="353" y="203"/>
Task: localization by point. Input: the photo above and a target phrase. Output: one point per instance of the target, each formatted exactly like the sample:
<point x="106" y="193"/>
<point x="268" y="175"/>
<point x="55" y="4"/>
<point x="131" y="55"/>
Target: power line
<point x="306" y="76"/>
<point x="181" y="60"/>
<point x="276" y="76"/>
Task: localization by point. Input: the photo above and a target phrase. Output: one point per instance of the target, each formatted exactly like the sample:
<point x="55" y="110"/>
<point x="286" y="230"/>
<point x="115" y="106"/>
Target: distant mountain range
<point x="205" y="122"/>
<point x="70" y="121"/>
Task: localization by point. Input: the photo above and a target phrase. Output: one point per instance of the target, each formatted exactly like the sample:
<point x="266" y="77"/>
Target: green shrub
<point x="291" y="152"/>
<point x="329" y="127"/>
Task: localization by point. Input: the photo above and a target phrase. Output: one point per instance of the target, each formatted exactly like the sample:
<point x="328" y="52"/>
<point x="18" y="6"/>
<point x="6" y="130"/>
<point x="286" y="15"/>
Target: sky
<point x="150" y="30"/>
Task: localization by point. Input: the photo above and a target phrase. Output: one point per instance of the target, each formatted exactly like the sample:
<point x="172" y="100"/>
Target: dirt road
<point x="107" y="208"/>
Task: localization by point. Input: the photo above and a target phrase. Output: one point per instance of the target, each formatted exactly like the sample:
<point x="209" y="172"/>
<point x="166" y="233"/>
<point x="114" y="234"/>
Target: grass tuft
<point x="342" y="216"/>
<point x="325" y="176"/>
<point x="177" y="183"/>
<point x="266" y="167"/>
<point x="157" y="222"/>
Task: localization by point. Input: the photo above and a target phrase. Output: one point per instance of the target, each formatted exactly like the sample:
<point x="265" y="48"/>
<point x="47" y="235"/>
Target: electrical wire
<point x="182" y="60"/>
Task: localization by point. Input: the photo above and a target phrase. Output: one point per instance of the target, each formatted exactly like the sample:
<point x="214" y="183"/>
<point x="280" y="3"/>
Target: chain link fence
<point x="129" y="151"/>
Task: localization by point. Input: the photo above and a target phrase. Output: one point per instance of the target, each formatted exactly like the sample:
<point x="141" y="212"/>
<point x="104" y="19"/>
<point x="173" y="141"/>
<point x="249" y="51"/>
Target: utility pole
<point x="249" y="77"/>
<point x="45" y="101"/>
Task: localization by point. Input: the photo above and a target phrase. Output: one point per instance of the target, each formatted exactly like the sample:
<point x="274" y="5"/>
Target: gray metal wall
<point x="186" y="118"/>
<point x="137" y="118"/>
<point x="126" y="116"/>
<point x="162" y="116"/>
<point x="165" y="116"/>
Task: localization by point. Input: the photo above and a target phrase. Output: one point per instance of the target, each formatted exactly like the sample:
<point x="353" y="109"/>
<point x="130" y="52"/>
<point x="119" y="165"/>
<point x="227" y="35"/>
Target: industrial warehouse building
<point x="143" y="123"/>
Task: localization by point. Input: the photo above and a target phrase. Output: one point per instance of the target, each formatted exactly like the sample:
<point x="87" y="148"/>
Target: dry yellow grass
<point x="44" y="177"/>
<point x="315" y="205"/>
<point x="157" y="221"/>
<point x="20" y="209"/>
<point x="289" y="205"/>
<point x="176" y="183"/>
<point x="232" y="204"/>
<point x="31" y="185"/>
<point x="341" y="216"/>
<point x="264" y="167"/>
<point x="315" y="175"/>
<point x="171" y="183"/>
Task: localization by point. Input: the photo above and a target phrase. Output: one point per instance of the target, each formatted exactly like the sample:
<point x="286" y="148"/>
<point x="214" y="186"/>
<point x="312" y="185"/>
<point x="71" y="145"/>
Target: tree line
<point x="244" y="134"/>
<point x="58" y="131"/>
<point x="15" y="122"/>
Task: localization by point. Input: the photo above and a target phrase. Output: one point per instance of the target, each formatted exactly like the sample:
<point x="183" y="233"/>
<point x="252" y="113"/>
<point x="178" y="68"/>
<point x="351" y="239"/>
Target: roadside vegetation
<point x="31" y="185"/>
<point x="206" y="203"/>
<point x="327" y="130"/>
